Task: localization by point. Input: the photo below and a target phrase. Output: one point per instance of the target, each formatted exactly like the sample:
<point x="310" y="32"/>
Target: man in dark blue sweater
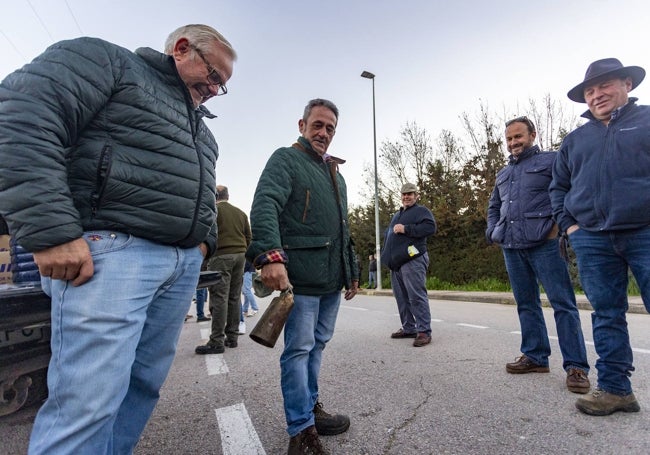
<point x="405" y="254"/>
<point x="600" y="196"/>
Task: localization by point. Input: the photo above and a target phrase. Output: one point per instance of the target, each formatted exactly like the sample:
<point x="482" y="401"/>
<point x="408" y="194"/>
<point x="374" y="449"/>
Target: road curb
<point x="506" y="298"/>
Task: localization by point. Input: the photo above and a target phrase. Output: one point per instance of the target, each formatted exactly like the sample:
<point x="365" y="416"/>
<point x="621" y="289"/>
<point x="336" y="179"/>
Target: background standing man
<point x="301" y="239"/>
<point x="601" y="198"/>
<point x="372" y="272"/>
<point x="107" y="176"/>
<point x="519" y="220"/>
<point x="249" y="307"/>
<point x="405" y="254"/>
<point x="225" y="296"/>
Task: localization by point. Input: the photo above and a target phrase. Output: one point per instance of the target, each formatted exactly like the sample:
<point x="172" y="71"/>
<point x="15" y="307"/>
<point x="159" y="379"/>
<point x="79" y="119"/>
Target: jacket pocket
<point x="538" y="178"/>
<point x="309" y="259"/>
<point x="498" y="234"/>
<point x="537" y="225"/>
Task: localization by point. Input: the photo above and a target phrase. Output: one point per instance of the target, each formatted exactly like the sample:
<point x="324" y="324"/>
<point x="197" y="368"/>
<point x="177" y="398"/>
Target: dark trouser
<point x="225" y="297"/>
<point x="410" y="291"/>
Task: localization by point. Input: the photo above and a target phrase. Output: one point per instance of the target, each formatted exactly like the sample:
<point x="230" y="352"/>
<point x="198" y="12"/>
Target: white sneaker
<point x="242" y="328"/>
<point x="250" y="313"/>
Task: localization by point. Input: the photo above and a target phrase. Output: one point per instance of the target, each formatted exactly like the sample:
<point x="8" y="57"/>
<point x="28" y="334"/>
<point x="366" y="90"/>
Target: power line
<point x="13" y="45"/>
<point x="73" y="17"/>
<point x="40" y="20"/>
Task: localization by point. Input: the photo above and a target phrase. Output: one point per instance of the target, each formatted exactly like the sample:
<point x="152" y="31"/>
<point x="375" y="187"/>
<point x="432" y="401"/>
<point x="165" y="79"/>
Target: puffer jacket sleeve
<point x="43" y="107"/>
<point x="271" y="195"/>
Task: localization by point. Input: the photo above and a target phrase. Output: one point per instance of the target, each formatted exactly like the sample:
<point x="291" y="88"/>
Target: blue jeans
<point x="372" y="279"/>
<point x="201" y="296"/>
<point x="113" y="342"/>
<point x="603" y="261"/>
<point x="249" y="297"/>
<point x="309" y="327"/>
<point x="543" y="264"/>
<point x="410" y="291"/>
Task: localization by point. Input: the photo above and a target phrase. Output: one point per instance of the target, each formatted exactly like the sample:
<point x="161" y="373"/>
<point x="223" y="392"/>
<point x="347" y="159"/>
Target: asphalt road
<point x="450" y="397"/>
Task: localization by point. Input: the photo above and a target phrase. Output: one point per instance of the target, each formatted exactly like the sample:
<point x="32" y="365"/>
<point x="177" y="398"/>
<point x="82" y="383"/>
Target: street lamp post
<point x="369" y="75"/>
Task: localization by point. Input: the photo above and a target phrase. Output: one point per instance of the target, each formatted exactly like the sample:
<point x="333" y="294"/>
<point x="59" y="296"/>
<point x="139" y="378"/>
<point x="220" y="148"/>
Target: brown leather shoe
<point x="306" y="443"/>
<point x="402" y="334"/>
<point x="577" y="381"/>
<point x="601" y="403"/>
<point x="523" y="365"/>
<point x="421" y="339"/>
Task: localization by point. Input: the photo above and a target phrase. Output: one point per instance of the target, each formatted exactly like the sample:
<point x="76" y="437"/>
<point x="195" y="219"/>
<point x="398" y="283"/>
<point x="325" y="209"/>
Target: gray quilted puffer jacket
<point x="94" y="136"/>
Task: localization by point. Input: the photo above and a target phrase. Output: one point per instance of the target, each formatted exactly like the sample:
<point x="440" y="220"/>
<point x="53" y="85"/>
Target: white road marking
<point x="205" y="334"/>
<point x="354" y="308"/>
<point x="473" y="326"/>
<point x="591" y="343"/>
<point x="436" y="320"/>
<point x="215" y="364"/>
<point x="238" y="436"/>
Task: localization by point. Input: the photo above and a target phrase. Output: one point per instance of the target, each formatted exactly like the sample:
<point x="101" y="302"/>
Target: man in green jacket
<point x="225" y="296"/>
<point x="301" y="240"/>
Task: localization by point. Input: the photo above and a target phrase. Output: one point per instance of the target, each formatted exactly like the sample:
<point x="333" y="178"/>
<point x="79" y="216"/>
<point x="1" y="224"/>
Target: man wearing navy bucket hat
<point x="600" y="196"/>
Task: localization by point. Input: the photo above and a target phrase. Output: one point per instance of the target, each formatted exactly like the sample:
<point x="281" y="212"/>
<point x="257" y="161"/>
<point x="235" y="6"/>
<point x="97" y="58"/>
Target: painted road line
<point x="238" y="436"/>
<point x="473" y="326"/>
<point x="205" y="334"/>
<point x="436" y="320"/>
<point x="216" y="364"/>
<point x="354" y="308"/>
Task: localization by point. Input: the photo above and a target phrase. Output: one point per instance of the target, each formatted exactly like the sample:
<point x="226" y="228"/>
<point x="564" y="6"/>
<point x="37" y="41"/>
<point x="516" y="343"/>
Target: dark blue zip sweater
<point x="418" y="224"/>
<point x="601" y="178"/>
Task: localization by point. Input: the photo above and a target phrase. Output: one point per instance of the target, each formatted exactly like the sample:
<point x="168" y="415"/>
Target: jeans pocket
<point x="101" y="242"/>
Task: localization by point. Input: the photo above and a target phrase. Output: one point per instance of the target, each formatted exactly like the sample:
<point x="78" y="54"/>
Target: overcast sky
<point x="433" y="60"/>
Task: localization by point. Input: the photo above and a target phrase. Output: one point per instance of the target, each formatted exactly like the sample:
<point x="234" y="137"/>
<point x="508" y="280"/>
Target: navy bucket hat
<point x="602" y="68"/>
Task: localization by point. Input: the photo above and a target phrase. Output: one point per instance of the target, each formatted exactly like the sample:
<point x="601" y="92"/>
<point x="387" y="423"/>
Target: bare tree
<point x="407" y="159"/>
<point x="450" y="151"/>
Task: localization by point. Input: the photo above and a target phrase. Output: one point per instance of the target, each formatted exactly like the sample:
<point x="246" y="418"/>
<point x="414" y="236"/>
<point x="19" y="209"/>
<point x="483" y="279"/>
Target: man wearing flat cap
<point x="600" y="196"/>
<point x="405" y="254"/>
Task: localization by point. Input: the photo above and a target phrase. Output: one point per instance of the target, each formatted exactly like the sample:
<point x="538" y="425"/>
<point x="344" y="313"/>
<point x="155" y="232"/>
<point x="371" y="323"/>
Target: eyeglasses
<point x="213" y="76"/>
<point x="522" y="119"/>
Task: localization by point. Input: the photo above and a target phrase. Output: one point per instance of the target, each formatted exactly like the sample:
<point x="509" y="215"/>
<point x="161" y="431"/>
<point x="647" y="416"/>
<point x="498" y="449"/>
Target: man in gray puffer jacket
<point x="107" y="174"/>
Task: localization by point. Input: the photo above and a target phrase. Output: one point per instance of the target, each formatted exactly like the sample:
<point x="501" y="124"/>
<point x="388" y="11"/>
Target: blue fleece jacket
<point x="601" y="178"/>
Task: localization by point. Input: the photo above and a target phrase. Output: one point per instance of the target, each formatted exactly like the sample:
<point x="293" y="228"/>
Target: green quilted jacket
<point x="295" y="210"/>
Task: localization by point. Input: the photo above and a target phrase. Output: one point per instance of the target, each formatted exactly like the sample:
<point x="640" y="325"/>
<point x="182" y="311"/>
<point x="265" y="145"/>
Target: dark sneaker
<point x="577" y="381"/>
<point x="402" y="334"/>
<point x="523" y="365"/>
<point x="601" y="403"/>
<point x="210" y="349"/>
<point x="306" y="443"/>
<point x="230" y="343"/>
<point x="203" y="318"/>
<point x="328" y="424"/>
<point x="421" y="339"/>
